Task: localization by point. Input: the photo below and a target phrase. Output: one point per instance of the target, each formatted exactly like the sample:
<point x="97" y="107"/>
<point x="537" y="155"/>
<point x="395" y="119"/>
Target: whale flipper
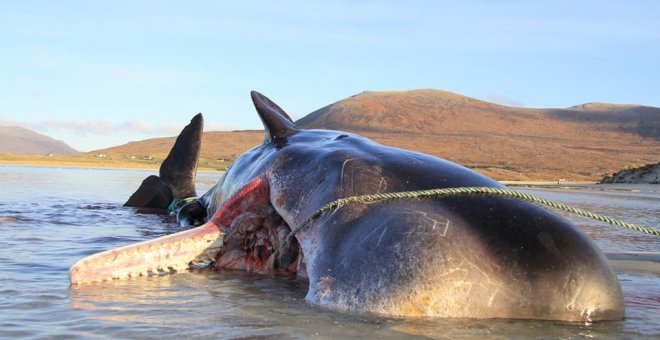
<point x="152" y="193"/>
<point x="180" y="167"/>
<point x="177" y="173"/>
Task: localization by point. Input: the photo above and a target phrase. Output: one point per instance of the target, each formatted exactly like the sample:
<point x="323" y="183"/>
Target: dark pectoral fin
<point x="152" y="193"/>
<point x="177" y="173"/>
<point x="179" y="168"/>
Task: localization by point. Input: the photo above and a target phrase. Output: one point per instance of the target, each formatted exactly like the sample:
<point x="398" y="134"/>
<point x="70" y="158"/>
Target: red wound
<point x="254" y="195"/>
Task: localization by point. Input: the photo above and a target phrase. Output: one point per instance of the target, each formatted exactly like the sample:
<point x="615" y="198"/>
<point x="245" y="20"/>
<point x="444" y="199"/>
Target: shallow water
<point x="52" y="217"/>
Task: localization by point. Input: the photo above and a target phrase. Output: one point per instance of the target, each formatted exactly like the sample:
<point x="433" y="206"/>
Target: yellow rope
<point x="469" y="191"/>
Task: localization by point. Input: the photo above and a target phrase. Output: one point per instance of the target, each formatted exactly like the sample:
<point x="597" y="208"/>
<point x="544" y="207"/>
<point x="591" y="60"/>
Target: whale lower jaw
<point x="245" y="234"/>
<point x="166" y="254"/>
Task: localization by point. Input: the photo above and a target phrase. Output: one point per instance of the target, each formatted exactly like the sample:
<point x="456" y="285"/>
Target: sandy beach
<point x="85" y="161"/>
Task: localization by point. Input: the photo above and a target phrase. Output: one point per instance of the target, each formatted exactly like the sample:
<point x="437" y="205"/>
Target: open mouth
<point x="255" y="233"/>
<point x="245" y="234"/>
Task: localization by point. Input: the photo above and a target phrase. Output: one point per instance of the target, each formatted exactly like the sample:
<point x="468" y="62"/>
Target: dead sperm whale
<point x="464" y="256"/>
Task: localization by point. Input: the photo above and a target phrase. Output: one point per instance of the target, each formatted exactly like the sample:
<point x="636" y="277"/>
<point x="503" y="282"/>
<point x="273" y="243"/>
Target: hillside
<point x="578" y="143"/>
<point x="18" y="140"/>
<point x="219" y="148"/>
<point x="583" y="142"/>
<point x="646" y="174"/>
<point x="434" y="111"/>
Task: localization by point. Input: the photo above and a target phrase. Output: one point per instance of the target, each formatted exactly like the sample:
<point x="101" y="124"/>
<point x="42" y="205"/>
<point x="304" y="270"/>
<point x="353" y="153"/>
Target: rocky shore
<point x="647" y="174"/>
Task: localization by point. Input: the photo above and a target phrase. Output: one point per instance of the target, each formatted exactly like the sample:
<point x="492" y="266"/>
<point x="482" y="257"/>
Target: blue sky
<point x="102" y="73"/>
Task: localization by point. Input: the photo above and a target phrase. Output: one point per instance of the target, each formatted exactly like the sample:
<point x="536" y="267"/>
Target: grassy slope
<point x="218" y="150"/>
<point x="580" y="143"/>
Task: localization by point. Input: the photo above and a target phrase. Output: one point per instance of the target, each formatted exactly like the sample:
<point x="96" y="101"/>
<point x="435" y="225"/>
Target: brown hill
<point x="434" y="111"/>
<point x="18" y="140"/>
<point x="578" y="143"/>
<point x="219" y="148"/>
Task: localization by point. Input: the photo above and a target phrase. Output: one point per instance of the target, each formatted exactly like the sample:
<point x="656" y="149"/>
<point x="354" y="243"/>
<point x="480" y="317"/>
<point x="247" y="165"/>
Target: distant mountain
<point x="430" y="111"/>
<point x="579" y="143"/>
<point x="23" y="141"/>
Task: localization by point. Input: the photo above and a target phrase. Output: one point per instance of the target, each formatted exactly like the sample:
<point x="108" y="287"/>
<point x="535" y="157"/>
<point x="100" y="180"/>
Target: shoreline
<point x="546" y="183"/>
<point x="82" y="165"/>
<point x="94" y="166"/>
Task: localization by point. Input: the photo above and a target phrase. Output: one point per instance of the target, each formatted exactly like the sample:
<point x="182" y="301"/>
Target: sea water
<point x="52" y="217"/>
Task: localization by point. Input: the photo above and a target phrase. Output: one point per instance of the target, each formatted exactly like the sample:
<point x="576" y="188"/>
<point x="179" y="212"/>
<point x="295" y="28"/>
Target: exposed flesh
<point x="253" y="231"/>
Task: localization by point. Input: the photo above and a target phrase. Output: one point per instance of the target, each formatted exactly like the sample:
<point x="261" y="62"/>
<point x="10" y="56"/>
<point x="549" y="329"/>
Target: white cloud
<point x="7" y="121"/>
<point x="99" y="134"/>
<point x="503" y="100"/>
<point x="108" y="128"/>
<point x="104" y="127"/>
<point x="211" y="126"/>
<point x="125" y="74"/>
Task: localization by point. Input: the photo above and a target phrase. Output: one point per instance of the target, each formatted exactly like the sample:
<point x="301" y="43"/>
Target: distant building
<point x="100" y="155"/>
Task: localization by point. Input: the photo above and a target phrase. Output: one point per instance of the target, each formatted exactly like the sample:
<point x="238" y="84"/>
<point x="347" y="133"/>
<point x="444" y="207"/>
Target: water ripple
<point x="60" y="220"/>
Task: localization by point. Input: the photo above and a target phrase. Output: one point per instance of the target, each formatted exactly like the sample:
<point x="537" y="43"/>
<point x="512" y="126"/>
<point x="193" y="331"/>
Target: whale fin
<point x="152" y="193"/>
<point x="179" y="169"/>
<point x="177" y="173"/>
<point x="277" y="123"/>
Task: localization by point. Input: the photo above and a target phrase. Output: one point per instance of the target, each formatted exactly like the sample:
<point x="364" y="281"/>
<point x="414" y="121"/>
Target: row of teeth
<point x="204" y="260"/>
<point x="200" y="264"/>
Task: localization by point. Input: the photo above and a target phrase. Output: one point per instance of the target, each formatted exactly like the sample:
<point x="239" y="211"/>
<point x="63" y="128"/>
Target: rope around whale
<point x="465" y="191"/>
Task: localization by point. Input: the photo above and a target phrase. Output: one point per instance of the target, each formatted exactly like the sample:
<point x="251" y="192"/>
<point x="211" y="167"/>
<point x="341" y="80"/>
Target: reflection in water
<point x="638" y="204"/>
<point x="51" y="218"/>
<point x="236" y="304"/>
<point x="110" y="295"/>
